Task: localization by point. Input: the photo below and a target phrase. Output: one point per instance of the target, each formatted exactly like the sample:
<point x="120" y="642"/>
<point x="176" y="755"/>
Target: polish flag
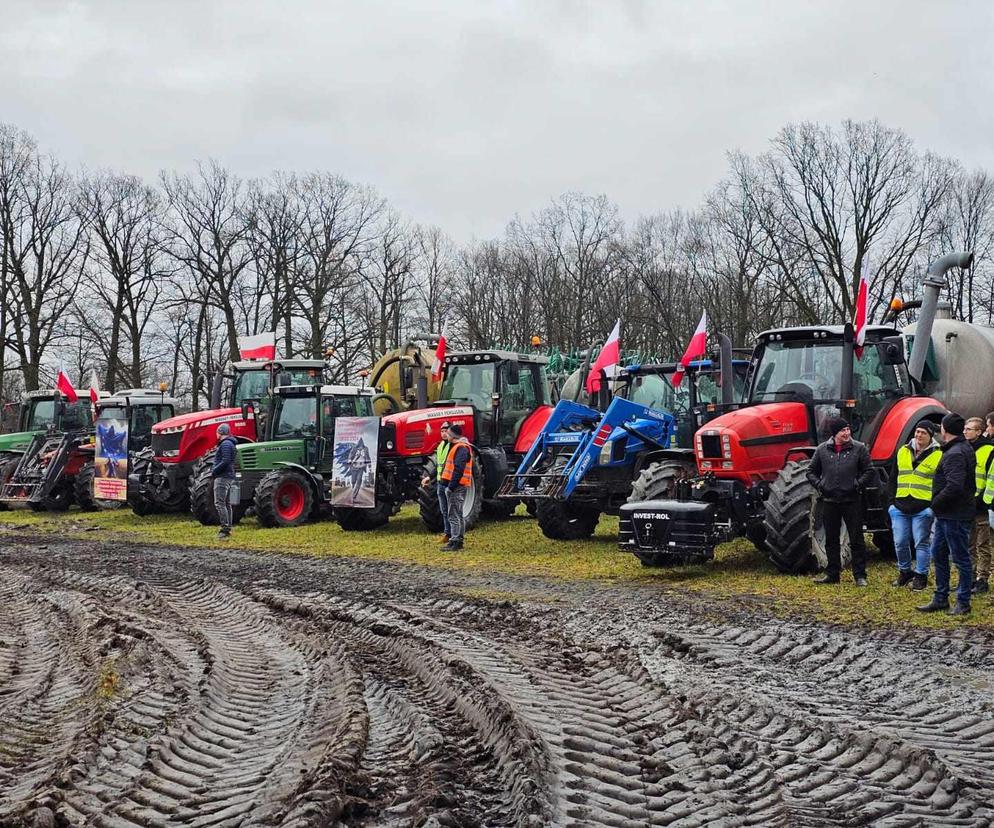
<point x="695" y="349"/>
<point x="64" y="387"/>
<point x="439" y="360"/>
<point x="859" y="319"/>
<point x="609" y="356"/>
<point x="260" y="346"/>
<point x="94" y="387"/>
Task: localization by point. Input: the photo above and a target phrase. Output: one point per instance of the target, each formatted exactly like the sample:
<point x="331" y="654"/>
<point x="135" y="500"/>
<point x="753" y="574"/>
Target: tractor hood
<point x="417" y="432"/>
<point x="17" y="441"/>
<point x="264" y="457"/>
<point x="752" y="443"/>
<point x="198" y="418"/>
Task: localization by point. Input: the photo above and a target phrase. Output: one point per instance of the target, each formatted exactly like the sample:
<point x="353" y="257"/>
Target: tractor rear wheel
<point x="431" y="512"/>
<point x="202" y="494"/>
<point x="795" y="533"/>
<point x="362" y="520"/>
<point x="562" y="520"/>
<point x="284" y="497"/>
<point x="7" y="465"/>
<point x="658" y="480"/>
<point x="83" y="487"/>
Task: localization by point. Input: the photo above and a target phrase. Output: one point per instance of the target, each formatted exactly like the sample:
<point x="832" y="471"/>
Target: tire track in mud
<point x="179" y="688"/>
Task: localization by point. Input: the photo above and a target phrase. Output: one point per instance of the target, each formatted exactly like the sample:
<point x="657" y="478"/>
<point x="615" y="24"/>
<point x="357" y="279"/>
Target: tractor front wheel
<point x="795" y="533"/>
<point x="284" y="498"/>
<point x="7" y="465"/>
<point x="431" y="512"/>
<point x="202" y="494"/>
<point x="658" y="480"/>
<point x="562" y="520"/>
<point x="59" y="500"/>
<point x="83" y="487"/>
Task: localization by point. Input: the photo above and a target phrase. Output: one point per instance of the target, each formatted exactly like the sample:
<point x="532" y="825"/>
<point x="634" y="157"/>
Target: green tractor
<point x="42" y="412"/>
<point x="286" y="478"/>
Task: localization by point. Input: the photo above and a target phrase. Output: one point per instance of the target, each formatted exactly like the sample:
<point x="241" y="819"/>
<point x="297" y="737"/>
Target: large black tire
<point x="59" y="500"/>
<point x="283" y="498"/>
<point x="658" y="480"/>
<point x="140" y="503"/>
<point x="8" y="462"/>
<point x="362" y="520"/>
<point x="202" y="494"/>
<point x="795" y="537"/>
<point x="83" y="488"/>
<point x="562" y="520"/>
<point x="499" y="508"/>
<point x="431" y="514"/>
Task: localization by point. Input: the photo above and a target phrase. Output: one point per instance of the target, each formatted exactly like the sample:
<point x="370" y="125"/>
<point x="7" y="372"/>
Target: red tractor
<point x="752" y="461"/>
<point x="162" y="476"/>
<point x="500" y="398"/>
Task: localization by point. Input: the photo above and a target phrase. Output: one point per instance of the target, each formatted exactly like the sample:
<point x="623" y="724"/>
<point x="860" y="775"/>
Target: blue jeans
<point x="443" y="504"/>
<point x="912" y="533"/>
<point x="952" y="539"/>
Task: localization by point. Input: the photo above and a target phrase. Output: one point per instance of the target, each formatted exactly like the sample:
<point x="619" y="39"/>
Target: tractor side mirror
<point x="892" y="351"/>
<point x="247" y="407"/>
<point x="284" y="378"/>
<point x="513" y="372"/>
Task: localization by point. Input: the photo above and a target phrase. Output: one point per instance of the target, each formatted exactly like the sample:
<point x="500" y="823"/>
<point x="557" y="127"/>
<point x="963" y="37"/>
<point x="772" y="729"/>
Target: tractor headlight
<point x="389" y="445"/>
<point x="605" y="456"/>
<point x="171" y="453"/>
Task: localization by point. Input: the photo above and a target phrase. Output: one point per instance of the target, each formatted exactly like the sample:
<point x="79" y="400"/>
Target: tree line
<point x="154" y="281"/>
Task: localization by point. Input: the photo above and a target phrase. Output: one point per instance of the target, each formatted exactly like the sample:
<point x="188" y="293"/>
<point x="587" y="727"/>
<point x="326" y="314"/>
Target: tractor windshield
<point x="40" y="415"/>
<point x="254" y="385"/>
<point x="472" y="383"/>
<point x="296" y="417"/>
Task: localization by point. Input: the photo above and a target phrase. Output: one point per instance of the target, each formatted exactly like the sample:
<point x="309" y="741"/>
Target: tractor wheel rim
<point x="289" y="500"/>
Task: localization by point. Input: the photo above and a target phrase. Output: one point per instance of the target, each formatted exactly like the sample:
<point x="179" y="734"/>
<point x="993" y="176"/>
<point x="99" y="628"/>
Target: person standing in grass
<point x="223" y="472"/>
<point x="442" y="492"/>
<point x="910" y="514"/>
<point x="457" y="475"/>
<point x="953" y="503"/>
<point x="980" y="532"/>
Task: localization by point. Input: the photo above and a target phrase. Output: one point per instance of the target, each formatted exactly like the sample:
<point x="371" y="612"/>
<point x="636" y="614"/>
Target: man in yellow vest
<point x="980" y="533"/>
<point x="442" y="493"/>
<point x="910" y="514"/>
<point x="457" y="477"/>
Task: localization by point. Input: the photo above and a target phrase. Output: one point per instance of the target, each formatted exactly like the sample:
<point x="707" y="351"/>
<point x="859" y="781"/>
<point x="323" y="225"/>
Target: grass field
<point x="518" y="547"/>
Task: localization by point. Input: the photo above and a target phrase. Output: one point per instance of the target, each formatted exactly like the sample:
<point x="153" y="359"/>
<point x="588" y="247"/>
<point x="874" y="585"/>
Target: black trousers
<point x="833" y="515"/>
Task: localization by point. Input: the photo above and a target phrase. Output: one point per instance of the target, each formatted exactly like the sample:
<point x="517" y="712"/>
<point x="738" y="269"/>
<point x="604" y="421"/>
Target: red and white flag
<point x="439" y="360"/>
<point x="609" y="356"/>
<point x="259" y="346"/>
<point x="695" y="349"/>
<point x="859" y="318"/>
<point x="64" y="387"/>
<point x="94" y="386"/>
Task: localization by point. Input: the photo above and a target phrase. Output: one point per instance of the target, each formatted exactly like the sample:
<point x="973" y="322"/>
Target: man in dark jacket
<point x="223" y="472"/>
<point x="953" y="491"/>
<point x="839" y="469"/>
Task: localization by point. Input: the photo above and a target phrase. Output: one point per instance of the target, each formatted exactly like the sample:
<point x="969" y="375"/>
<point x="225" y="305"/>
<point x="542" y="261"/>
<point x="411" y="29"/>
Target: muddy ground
<point x="143" y="686"/>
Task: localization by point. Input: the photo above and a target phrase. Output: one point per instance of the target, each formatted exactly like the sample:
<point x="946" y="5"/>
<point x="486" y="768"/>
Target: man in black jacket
<point x="953" y="490"/>
<point x="839" y="469"/>
<point x="223" y="472"/>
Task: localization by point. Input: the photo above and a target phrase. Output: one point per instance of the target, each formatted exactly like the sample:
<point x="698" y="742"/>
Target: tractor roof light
<point x="849" y="403"/>
<point x="896" y="304"/>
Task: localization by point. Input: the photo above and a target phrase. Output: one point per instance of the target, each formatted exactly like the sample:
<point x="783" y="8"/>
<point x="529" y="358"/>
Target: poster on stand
<point x="110" y="460"/>
<point x="353" y="484"/>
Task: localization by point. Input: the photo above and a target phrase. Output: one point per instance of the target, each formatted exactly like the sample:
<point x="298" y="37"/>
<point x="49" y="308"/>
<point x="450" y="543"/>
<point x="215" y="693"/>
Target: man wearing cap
<point x="980" y="532"/>
<point x="223" y="472"/>
<point x="839" y="468"/>
<point x="442" y="493"/>
<point x="910" y="514"/>
<point x="953" y="493"/>
<point x="457" y="477"/>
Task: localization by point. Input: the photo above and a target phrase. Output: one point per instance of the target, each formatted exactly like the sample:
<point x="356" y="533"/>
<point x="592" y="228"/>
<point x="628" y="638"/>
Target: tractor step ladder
<point x="39" y="468"/>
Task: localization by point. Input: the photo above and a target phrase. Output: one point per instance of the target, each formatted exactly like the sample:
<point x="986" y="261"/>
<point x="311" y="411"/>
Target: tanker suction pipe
<point x="935" y="281"/>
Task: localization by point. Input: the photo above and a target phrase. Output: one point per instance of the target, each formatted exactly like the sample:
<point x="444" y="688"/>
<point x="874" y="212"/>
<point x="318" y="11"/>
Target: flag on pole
<point x="439" y="360"/>
<point x="259" y="346"/>
<point x="64" y="387"/>
<point x="609" y="356"/>
<point x="94" y="386"/>
<point x="695" y="349"/>
<point x="859" y="318"/>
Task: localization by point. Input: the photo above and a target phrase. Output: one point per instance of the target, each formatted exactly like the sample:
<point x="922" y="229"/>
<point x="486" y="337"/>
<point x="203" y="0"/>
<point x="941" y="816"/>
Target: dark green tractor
<point x="286" y="478"/>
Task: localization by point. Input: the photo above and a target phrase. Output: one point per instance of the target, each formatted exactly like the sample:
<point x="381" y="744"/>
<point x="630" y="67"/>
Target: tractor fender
<point x="315" y="480"/>
<point x="899" y="424"/>
<point x="530" y="429"/>
<point x="650" y="457"/>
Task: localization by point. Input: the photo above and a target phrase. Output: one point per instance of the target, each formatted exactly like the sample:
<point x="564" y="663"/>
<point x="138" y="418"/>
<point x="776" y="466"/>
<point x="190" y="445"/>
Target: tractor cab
<point x="138" y="409"/>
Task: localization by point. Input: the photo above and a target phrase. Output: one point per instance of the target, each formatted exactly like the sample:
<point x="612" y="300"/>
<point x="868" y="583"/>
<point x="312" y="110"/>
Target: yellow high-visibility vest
<point x="983" y="462"/>
<point x="916" y="481"/>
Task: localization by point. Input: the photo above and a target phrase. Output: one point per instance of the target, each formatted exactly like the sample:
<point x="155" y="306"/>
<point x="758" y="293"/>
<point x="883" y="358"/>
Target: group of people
<point x="453" y="477"/>
<point x="941" y="508"/>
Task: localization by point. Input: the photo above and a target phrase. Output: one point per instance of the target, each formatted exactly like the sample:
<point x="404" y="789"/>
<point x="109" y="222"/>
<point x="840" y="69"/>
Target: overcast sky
<point x="465" y="113"/>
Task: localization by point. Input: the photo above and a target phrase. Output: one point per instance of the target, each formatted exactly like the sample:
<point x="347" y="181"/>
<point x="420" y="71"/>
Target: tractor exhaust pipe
<point x="935" y="281"/>
<point x="725" y="365"/>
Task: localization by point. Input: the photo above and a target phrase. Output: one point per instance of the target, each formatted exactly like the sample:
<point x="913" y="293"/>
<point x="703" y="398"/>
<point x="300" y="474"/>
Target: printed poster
<point x="353" y="482"/>
<point x="110" y="460"/>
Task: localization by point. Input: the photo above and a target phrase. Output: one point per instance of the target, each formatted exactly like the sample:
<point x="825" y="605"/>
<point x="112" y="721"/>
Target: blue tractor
<point x="586" y="461"/>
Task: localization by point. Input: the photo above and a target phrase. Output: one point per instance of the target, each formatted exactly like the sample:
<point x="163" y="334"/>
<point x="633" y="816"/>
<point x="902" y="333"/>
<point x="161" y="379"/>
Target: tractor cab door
<point x="522" y="388"/>
<point x="333" y="407"/>
<point x="297" y="419"/>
